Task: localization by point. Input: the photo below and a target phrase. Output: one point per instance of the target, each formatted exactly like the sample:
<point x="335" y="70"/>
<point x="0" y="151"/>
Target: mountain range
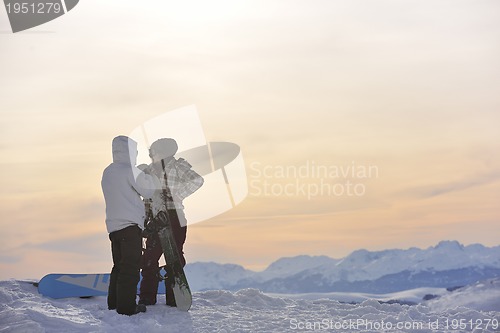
<point x="448" y="264"/>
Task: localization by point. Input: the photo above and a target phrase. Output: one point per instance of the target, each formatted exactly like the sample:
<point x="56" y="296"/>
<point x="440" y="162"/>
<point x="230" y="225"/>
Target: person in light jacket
<point x="123" y="185"/>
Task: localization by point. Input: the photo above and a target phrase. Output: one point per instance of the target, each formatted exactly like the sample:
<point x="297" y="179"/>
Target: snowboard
<point x="176" y="278"/>
<point x="78" y="285"/>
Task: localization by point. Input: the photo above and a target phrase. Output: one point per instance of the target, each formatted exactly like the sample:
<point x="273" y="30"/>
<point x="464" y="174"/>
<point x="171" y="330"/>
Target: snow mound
<point x="22" y="309"/>
<point x="412" y="296"/>
<point x="249" y="298"/>
<point x="482" y="296"/>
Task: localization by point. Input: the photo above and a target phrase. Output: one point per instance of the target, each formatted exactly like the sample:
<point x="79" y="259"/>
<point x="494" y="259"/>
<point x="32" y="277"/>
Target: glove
<point x="161" y="220"/>
<point x="144" y="168"/>
<point x="146" y="233"/>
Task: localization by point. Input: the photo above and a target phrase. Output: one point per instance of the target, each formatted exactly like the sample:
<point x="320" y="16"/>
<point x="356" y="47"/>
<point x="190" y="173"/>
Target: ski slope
<point x="22" y="309"/>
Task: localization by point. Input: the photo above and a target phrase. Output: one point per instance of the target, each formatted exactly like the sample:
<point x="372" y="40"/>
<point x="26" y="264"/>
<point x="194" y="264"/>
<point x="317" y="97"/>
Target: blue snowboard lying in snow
<point x="78" y="285"/>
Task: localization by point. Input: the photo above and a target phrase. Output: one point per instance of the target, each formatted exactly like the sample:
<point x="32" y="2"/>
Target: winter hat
<point x="165" y="147"/>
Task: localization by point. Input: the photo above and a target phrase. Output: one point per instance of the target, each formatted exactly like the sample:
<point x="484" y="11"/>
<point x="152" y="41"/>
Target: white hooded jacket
<point x="123" y="184"/>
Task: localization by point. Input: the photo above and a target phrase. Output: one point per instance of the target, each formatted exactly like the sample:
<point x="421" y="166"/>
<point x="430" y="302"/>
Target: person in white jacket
<point x="123" y="185"/>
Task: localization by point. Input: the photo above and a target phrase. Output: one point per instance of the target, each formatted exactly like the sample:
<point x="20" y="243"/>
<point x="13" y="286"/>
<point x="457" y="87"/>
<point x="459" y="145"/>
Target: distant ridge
<point x="446" y="264"/>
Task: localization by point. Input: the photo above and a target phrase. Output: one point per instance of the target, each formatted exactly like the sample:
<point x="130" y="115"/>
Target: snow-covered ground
<point x="22" y="309"/>
<point x="405" y="297"/>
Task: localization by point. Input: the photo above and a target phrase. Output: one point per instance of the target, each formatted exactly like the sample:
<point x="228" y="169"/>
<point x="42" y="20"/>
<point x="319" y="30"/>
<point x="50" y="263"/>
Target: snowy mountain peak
<point x="293" y="265"/>
<point x="449" y="245"/>
<point x="363" y="256"/>
<point x="210" y="275"/>
<point x="446" y="261"/>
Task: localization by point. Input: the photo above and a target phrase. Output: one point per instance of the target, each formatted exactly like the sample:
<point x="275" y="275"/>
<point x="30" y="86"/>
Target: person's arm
<point x="146" y="184"/>
<point x="188" y="181"/>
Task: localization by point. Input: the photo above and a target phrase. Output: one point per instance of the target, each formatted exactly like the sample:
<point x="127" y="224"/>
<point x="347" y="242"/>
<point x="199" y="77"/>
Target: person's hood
<point x="124" y="150"/>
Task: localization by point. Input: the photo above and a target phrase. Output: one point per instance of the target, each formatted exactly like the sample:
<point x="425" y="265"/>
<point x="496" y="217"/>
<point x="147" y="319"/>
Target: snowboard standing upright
<point x="175" y="279"/>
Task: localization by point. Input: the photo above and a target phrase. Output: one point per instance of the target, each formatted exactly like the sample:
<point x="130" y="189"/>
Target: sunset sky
<point x="409" y="89"/>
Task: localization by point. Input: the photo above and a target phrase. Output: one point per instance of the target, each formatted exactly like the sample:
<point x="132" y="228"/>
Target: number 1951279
<point x="472" y="324"/>
<point x="34" y="8"/>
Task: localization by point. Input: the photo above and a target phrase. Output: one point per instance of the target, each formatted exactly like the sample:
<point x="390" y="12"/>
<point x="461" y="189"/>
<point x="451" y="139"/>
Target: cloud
<point x="89" y="245"/>
<point x="430" y="191"/>
<point x="10" y="259"/>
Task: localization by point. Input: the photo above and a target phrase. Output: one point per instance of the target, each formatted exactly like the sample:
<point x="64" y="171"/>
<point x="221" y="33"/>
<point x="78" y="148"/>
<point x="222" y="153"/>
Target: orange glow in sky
<point x="408" y="89"/>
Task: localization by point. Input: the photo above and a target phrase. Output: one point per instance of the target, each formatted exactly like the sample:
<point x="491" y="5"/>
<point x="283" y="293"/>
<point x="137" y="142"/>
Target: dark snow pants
<point x="151" y="256"/>
<point x="126" y="248"/>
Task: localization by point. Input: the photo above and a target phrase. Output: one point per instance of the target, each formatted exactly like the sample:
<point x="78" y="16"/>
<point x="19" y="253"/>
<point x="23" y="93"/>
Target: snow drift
<point x="23" y="310"/>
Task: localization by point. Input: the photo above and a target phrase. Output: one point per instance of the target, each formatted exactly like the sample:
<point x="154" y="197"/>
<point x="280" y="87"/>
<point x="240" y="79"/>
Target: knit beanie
<point x="165" y="147"/>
